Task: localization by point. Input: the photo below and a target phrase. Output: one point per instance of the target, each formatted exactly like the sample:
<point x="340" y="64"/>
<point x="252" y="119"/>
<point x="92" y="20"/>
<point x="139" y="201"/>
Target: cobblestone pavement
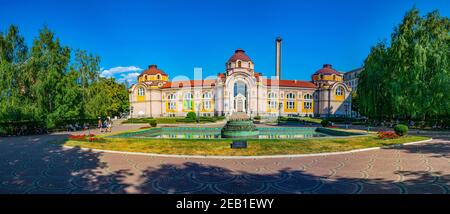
<point x="33" y="165"/>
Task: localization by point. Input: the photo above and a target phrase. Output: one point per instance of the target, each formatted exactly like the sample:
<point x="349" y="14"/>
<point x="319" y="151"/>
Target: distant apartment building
<point x="351" y="78"/>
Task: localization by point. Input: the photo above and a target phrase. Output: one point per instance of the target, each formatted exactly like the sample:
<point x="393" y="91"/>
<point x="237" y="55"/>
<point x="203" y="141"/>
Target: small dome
<point x="153" y="70"/>
<point x="327" y="69"/>
<point x="239" y="54"/>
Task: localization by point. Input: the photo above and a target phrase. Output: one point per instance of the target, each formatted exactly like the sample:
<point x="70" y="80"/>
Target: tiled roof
<point x="327" y="69"/>
<point x="152" y="70"/>
<point x="239" y="54"/>
<point x="191" y="83"/>
<point x="257" y="75"/>
<point x="288" y="83"/>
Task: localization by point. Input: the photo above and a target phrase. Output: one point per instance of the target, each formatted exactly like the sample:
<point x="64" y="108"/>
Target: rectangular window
<point x="172" y="105"/>
<point x="206" y="104"/>
<point x="307" y="105"/>
<point x="272" y="104"/>
<point x="291" y="104"/>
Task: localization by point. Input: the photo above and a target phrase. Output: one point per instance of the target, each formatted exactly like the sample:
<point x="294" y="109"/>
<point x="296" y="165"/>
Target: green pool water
<point x="215" y="133"/>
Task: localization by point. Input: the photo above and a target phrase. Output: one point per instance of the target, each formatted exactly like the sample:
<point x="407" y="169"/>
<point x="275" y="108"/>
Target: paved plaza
<point x="32" y="164"/>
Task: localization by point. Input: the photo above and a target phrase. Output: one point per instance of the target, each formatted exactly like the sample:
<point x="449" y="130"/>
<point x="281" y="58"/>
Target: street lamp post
<point x="198" y="112"/>
<point x="346" y="116"/>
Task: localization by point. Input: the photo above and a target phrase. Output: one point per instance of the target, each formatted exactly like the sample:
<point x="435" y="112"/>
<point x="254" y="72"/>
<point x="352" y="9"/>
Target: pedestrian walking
<point x="100" y="124"/>
<point x="109" y="124"/>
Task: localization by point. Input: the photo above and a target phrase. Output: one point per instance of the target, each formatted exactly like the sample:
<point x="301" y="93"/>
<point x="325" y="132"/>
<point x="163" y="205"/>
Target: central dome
<point x="153" y="70"/>
<point x="327" y="69"/>
<point x="239" y="54"/>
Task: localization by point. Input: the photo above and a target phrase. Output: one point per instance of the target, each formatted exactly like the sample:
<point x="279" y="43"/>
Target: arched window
<point x="307" y="96"/>
<point x="141" y="91"/>
<point x="188" y="103"/>
<point x="290" y="96"/>
<point x="239" y="64"/>
<point x="272" y="95"/>
<point x="172" y="101"/>
<point x="290" y="101"/>
<point x="321" y="76"/>
<point x="207" y="100"/>
<point x="272" y="100"/>
<point x="158" y="76"/>
<point x="339" y="91"/>
<point x="334" y="77"/>
<point x="249" y="64"/>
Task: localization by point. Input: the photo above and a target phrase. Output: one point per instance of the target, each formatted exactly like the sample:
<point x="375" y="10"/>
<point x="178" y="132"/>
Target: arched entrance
<point x="240" y="97"/>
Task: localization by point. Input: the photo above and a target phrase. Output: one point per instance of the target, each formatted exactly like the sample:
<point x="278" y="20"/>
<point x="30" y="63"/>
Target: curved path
<point x="33" y="165"/>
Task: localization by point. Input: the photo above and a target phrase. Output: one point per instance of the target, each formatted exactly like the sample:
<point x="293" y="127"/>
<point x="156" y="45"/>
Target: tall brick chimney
<point x="278" y="58"/>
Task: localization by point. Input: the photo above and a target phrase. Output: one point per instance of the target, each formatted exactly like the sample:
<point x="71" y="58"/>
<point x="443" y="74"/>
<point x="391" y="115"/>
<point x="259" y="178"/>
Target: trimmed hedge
<point x="191" y="115"/>
<point x="153" y="123"/>
<point x="8" y="128"/>
<point x="401" y="130"/>
<point x="325" y="123"/>
<point x="139" y="120"/>
<point x="334" y="132"/>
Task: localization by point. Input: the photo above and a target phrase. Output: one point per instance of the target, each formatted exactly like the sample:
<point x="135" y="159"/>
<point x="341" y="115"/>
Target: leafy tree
<point x="410" y="78"/>
<point x="108" y="98"/>
<point x="355" y="105"/>
<point x="48" y="85"/>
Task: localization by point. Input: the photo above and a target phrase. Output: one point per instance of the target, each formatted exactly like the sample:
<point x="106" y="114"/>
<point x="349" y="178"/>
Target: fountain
<point x="239" y="125"/>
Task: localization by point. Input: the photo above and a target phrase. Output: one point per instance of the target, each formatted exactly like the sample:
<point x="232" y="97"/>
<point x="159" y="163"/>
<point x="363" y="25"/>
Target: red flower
<point x="387" y="135"/>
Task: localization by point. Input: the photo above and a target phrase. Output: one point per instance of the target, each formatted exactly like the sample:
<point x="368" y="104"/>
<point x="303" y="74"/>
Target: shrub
<point x="388" y="135"/>
<point x="257" y="118"/>
<point x="185" y="120"/>
<point x="282" y="118"/>
<point x="401" y="129"/>
<point x="153" y="123"/>
<point x="292" y="119"/>
<point x="325" y="123"/>
<point x="191" y="115"/>
<point x="139" y="120"/>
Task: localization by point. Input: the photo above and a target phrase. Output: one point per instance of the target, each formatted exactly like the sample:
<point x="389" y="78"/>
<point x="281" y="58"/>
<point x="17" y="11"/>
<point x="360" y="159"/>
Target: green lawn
<point x="255" y="147"/>
<point x="299" y="119"/>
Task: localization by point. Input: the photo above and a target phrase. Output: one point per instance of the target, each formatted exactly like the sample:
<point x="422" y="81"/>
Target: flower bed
<point x="388" y="135"/>
<point x="83" y="137"/>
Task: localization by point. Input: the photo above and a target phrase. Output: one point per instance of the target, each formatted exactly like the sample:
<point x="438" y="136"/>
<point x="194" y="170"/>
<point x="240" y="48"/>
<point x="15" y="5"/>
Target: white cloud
<point x="119" y="70"/>
<point x="128" y="77"/>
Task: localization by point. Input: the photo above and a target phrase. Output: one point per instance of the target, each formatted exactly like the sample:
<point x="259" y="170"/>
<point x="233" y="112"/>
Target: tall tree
<point x="410" y="78"/>
<point x="49" y="60"/>
<point x="13" y="53"/>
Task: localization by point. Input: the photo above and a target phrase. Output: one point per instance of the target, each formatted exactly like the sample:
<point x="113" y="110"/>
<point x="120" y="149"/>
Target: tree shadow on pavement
<point x="439" y="148"/>
<point x="194" y="178"/>
<point x="32" y="164"/>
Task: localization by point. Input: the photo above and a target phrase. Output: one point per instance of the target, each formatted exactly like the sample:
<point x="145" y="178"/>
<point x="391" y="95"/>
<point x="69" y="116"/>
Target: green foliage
<point x="257" y="117"/>
<point x="401" y="129"/>
<point x="191" y="115"/>
<point x="355" y="101"/>
<point x="409" y="79"/>
<point x="49" y="86"/>
<point x="138" y="120"/>
<point x="153" y="123"/>
<point x="325" y="123"/>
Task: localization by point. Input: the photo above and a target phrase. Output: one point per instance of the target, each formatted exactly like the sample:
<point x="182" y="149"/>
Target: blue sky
<point x="180" y="35"/>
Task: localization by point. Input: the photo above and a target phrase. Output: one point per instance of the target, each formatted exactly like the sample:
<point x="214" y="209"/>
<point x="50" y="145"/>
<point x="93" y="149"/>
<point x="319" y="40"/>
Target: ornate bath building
<point x="239" y="88"/>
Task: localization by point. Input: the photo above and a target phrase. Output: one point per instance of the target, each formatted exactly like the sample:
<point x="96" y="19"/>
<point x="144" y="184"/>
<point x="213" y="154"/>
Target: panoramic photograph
<point x="248" y="100"/>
